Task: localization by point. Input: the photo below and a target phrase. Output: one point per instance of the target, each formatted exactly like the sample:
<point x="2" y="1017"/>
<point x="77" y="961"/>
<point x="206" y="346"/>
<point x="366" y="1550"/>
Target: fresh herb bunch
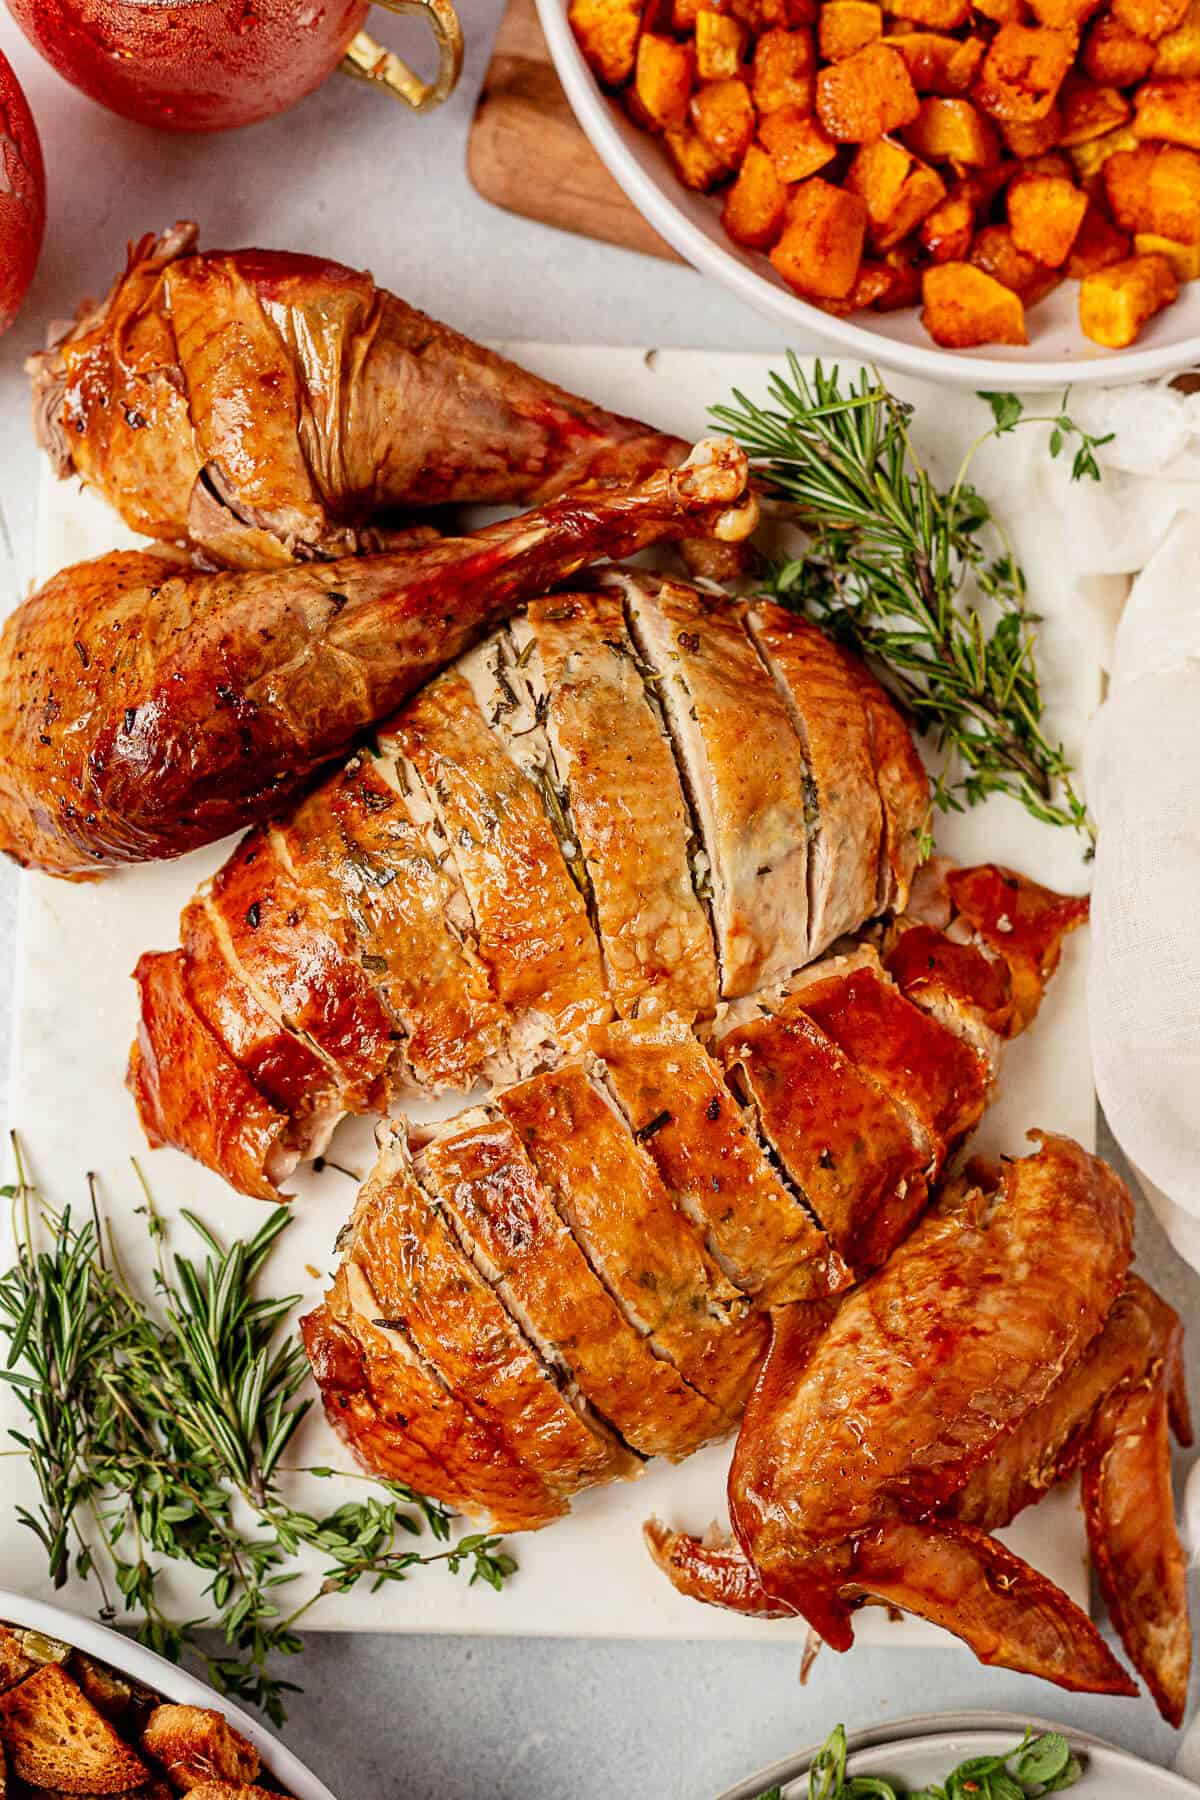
<point x="1037" y="1766"/>
<point x="156" y="1432"/>
<point x="920" y="581"/>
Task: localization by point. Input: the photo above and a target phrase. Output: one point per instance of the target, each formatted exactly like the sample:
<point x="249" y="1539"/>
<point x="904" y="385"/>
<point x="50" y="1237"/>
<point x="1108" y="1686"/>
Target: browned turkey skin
<point x="259" y="406"/>
<point x="146" y="708"/>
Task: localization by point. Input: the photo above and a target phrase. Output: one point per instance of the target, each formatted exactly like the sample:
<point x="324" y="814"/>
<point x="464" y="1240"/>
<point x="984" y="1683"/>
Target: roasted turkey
<point x="147" y="708"/>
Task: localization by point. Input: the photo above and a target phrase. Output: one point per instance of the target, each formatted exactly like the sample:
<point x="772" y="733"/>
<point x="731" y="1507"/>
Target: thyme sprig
<point x="1038" y="1765"/>
<point x="921" y="581"/>
<point x="156" y="1431"/>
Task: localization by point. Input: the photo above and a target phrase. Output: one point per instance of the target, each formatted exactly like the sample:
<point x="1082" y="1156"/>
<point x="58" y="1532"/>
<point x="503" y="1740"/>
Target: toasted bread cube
<point x="1090" y="157"/>
<point x="1169" y="110"/>
<point x="231" y="1790"/>
<point x="755" y="205"/>
<point x="720" y="45"/>
<point x="938" y="64"/>
<point x="662" y="81"/>
<point x="953" y="131"/>
<point x="15" y="1665"/>
<point x="1044" y="214"/>
<point x="1151" y="19"/>
<point x="821" y="247"/>
<point x="723" y="114"/>
<point x="796" y="144"/>
<point x="1035" y="138"/>
<point x="783" y="71"/>
<point x="947" y="230"/>
<point x="1116" y="303"/>
<point x="696" y="163"/>
<point x="964" y="307"/>
<point x="55" y="1738"/>
<point x="866" y="95"/>
<point x="1097" y="244"/>
<point x="934" y="15"/>
<point x="1183" y="258"/>
<point x="195" y="1743"/>
<point x="898" y="190"/>
<point x="1113" y="55"/>
<point x="1178" y="53"/>
<point x="1155" y="188"/>
<point x="1089" y="111"/>
<point x="1023" y="70"/>
<point x="996" y="255"/>
<point x="844" y="26"/>
<point x="607" y="33"/>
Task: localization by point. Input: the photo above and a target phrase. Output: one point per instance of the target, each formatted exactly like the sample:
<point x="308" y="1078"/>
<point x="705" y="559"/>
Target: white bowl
<point x="162" y="1677"/>
<point x="1058" y="356"/>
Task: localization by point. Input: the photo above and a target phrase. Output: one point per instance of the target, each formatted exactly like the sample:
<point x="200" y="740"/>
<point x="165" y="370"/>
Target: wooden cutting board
<point x="527" y="153"/>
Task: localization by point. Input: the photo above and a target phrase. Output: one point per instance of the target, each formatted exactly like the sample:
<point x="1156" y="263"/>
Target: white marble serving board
<point x="589" y="1574"/>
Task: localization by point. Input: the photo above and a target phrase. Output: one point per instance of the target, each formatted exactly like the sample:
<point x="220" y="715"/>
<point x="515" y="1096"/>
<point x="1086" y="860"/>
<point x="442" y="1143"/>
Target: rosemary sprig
<point x="920" y="581"/>
<point x="156" y="1430"/>
<point x="1034" y="1767"/>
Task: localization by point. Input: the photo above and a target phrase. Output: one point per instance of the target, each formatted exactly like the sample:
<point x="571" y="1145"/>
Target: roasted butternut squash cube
<point x="1155" y="188"/>
<point x="1113" y="55"/>
<point x="1089" y="110"/>
<point x="755" y="205"/>
<point x="873" y="283"/>
<point x="774" y="15"/>
<point x="936" y="63"/>
<point x="947" y="230"/>
<point x="607" y="33"/>
<point x="1097" y="244"/>
<point x="1044" y="214"/>
<point x="723" y="114"/>
<point x="1151" y="19"/>
<point x="821" y="247"/>
<point x="796" y="144"/>
<point x="1183" y="258"/>
<point x="866" y="95"/>
<point x="844" y="26"/>
<point x="1023" y="70"/>
<point x="995" y="253"/>
<point x="1035" y="138"/>
<point x="695" y="162"/>
<point x="1001" y="12"/>
<point x="953" y="131"/>
<point x="1178" y="53"/>
<point x="906" y="281"/>
<point x="1169" y="110"/>
<point x="1090" y="157"/>
<point x="963" y="307"/>
<point x="935" y="15"/>
<point x="1067" y="15"/>
<point x="783" y="70"/>
<point x="1116" y="303"/>
<point x="898" y="189"/>
<point x="662" y="81"/>
<point x="720" y="45"/>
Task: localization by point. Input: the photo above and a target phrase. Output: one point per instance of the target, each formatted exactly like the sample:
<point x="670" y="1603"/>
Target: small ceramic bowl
<point x="1057" y="356"/>
<point x="129" y="1658"/>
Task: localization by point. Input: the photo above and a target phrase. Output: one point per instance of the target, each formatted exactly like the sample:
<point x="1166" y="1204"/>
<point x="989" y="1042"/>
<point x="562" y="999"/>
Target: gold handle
<point x="368" y="61"/>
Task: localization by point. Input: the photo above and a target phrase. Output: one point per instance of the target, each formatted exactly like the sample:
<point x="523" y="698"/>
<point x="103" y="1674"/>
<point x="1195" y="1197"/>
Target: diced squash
<point x="684" y="14"/>
<point x="1170" y="110"/>
<point x="995" y="253"/>
<point x="946" y="232"/>
<point x="1089" y="158"/>
<point x="1045" y="213"/>
<point x="695" y="162"/>
<point x="756" y="204"/>
<point x="662" y="81"/>
<point x="1034" y="138"/>
<point x="906" y="281"/>
<point x="844" y="26"/>
<point x="938" y="64"/>
<point x="1089" y="111"/>
<point x="964" y="307"/>
<point x="720" y="45"/>
<point x="771" y="15"/>
<point x="1097" y="243"/>
<point x="821" y="247"/>
<point x="1112" y="54"/>
<point x="866" y="95"/>
<point x="1068" y="15"/>
<point x="1001" y="12"/>
<point x="607" y="32"/>
<point x="898" y="189"/>
<point x="1178" y="53"/>
<point x="1151" y="19"/>
<point x="796" y="144"/>
<point x="935" y="15"/>
<point x="874" y="282"/>
<point x="953" y="131"/>
<point x="1183" y="258"/>
<point x="1155" y="188"/>
<point x="1116" y="303"/>
<point x="723" y="114"/>
<point x="783" y="70"/>
<point x="1023" y="70"/>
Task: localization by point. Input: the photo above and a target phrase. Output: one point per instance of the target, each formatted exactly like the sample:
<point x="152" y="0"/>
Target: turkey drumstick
<point x="148" y="709"/>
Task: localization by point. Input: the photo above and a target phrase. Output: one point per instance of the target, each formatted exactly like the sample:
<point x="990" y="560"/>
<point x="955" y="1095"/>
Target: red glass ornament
<point x="22" y="195"/>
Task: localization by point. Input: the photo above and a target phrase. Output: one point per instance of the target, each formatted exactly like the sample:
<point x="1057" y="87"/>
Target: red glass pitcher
<point x="207" y="65"/>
